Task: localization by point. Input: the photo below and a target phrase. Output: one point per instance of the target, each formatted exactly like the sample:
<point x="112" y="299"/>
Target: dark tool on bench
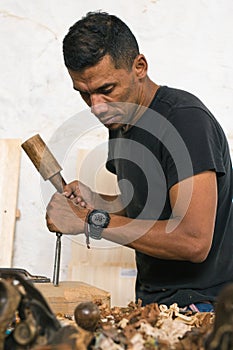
<point x="35" y="324"/>
<point x="33" y="278"/>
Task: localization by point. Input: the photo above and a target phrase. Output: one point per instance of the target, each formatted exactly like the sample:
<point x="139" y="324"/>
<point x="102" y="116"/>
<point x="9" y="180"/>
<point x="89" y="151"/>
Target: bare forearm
<point x="187" y="235"/>
<point x="167" y="239"/>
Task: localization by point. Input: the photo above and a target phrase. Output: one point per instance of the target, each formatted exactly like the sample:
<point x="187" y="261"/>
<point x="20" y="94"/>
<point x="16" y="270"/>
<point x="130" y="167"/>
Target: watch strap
<point x="95" y="232"/>
<point x="87" y="230"/>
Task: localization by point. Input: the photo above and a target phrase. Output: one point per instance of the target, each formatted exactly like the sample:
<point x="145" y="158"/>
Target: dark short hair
<point x="96" y="35"/>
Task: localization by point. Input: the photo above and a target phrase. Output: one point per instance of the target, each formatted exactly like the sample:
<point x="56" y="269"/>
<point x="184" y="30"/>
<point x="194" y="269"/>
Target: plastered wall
<point x="188" y="45"/>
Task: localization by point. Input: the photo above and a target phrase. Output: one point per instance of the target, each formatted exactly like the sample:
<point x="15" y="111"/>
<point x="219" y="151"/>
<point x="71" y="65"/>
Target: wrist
<point x="95" y="222"/>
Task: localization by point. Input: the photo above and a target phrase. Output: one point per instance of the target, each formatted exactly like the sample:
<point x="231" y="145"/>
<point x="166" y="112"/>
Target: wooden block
<point x="10" y="152"/>
<point x="67" y="295"/>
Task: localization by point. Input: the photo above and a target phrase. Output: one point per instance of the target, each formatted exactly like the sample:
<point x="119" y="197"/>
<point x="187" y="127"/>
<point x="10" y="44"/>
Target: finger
<point x="69" y="189"/>
<point x="67" y="192"/>
<point x="77" y="191"/>
<point x="50" y="224"/>
<point x="79" y="201"/>
<point x="53" y="228"/>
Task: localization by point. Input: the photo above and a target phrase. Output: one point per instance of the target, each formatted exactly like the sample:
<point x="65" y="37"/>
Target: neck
<point x="148" y="92"/>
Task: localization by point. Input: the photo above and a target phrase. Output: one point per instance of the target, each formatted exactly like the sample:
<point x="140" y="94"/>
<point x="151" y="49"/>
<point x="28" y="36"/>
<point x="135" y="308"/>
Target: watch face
<point x="99" y="218"/>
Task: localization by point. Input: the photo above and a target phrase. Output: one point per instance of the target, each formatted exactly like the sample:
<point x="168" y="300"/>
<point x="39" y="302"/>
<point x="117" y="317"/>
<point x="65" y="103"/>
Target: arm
<point x="186" y="236"/>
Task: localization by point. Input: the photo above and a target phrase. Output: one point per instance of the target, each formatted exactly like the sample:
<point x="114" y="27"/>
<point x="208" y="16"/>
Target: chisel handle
<point x="44" y="161"/>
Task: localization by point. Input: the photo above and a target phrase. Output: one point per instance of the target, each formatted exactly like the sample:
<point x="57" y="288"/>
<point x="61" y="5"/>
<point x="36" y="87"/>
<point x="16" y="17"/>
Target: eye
<point x="106" y="91"/>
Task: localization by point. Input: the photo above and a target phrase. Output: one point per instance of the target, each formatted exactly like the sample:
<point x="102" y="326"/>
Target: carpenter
<point x="172" y="162"/>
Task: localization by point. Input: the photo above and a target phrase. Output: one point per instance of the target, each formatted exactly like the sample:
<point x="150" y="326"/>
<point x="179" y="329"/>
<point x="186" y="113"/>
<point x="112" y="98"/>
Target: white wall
<point x="188" y="45"/>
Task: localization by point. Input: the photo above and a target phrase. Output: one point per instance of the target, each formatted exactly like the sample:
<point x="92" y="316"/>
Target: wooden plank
<point x="67" y="295"/>
<point x="10" y="152"/>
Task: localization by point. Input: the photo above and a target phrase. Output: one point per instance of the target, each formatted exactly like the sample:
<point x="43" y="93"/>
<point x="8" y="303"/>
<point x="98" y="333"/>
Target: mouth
<point x="111" y="120"/>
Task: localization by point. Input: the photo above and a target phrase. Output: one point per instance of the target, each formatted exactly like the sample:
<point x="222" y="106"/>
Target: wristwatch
<point x="97" y="220"/>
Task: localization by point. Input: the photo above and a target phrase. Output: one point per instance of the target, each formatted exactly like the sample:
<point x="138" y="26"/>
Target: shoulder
<point x="177" y="98"/>
<point x="184" y="109"/>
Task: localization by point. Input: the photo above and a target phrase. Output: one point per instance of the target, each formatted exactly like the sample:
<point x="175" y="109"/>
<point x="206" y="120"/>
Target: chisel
<point x="49" y="169"/>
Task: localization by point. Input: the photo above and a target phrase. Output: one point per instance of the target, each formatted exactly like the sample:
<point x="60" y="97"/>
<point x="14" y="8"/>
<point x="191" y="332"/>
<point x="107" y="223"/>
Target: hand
<point x="80" y="194"/>
<point x="64" y="216"/>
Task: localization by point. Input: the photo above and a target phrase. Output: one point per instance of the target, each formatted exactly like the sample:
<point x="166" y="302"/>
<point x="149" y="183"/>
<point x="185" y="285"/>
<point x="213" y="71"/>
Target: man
<point x="173" y="165"/>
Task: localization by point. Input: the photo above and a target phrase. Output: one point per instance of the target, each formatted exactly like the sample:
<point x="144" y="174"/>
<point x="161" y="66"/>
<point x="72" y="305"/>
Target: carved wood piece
<point x="65" y="297"/>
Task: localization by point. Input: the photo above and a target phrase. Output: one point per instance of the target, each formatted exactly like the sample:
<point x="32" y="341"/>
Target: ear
<point x="140" y="66"/>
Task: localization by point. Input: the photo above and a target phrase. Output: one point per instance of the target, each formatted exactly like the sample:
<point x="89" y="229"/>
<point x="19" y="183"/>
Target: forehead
<point x="104" y="72"/>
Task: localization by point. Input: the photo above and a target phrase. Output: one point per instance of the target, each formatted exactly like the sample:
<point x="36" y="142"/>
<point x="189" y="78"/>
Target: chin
<point x="114" y="126"/>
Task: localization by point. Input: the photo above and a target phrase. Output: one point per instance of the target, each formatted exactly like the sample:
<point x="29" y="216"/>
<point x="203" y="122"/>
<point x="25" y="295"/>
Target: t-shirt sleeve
<point x="201" y="137"/>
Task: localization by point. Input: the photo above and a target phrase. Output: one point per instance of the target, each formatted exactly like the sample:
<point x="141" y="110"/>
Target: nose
<point x="98" y="105"/>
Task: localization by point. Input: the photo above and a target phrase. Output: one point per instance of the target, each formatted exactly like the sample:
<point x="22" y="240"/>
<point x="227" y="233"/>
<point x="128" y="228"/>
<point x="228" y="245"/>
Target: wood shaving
<point x="150" y="327"/>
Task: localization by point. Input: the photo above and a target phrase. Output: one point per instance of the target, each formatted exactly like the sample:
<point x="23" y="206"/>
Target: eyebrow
<point x="102" y="87"/>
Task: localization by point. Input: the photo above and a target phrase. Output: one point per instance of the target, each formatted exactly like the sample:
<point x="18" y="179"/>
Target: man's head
<point x="103" y="61"/>
<point x="96" y="35"/>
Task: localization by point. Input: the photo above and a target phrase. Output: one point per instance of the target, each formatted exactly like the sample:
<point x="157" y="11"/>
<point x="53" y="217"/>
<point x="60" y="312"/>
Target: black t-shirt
<point x="177" y="137"/>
